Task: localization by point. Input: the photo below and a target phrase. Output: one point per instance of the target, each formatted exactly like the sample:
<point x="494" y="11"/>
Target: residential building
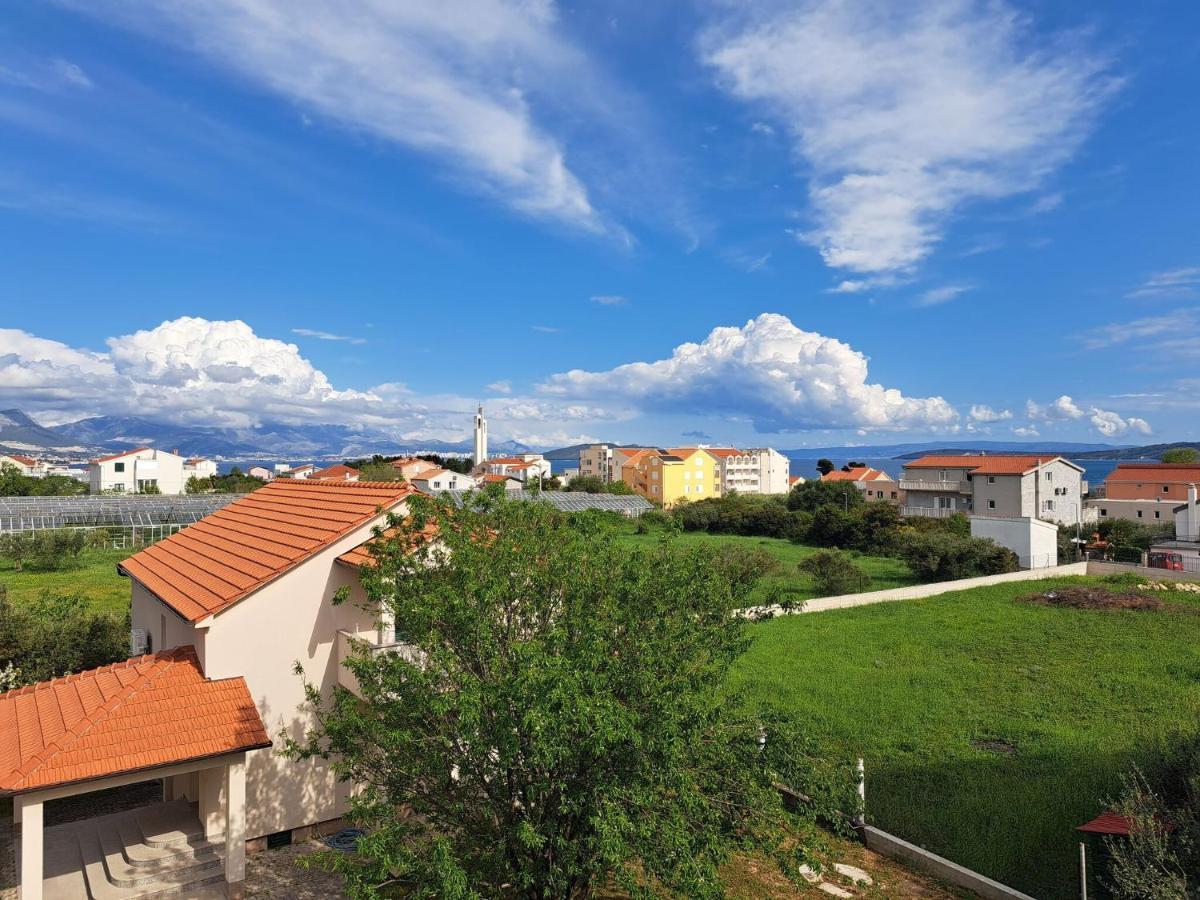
<point x="875" y="484"/>
<point x="1186" y="545"/>
<point x="338" y="472"/>
<point x="670" y="476"/>
<point x="437" y="480"/>
<point x="760" y="470"/>
<point x="34" y="468"/>
<point x="138" y="471"/>
<point x="198" y="468"/>
<point x="523" y="467"/>
<point x="510" y="483"/>
<point x="596" y="461"/>
<point x="410" y="467"/>
<point x="1043" y="487"/>
<point x="299" y="473"/>
<point x="630" y="465"/>
<point x="1144" y="492"/>
<point x="260" y="472"/>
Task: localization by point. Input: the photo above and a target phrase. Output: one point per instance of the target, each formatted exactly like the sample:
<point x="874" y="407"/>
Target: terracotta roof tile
<point x="858" y="473"/>
<point x="999" y="464"/>
<point x="119" y="455"/>
<point x="1162" y="472"/>
<point x="148" y="711"/>
<point x="233" y="552"/>
<point x="339" y="471"/>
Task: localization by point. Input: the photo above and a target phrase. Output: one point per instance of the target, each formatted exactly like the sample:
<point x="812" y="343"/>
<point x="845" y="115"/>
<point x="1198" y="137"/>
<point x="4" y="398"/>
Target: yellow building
<point x="671" y="476"/>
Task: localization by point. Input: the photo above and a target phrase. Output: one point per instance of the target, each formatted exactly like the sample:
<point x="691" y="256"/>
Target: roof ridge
<point x="163" y="662"/>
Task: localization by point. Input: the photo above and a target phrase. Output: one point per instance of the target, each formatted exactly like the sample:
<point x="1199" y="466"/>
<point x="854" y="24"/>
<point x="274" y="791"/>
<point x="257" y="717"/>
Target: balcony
<point x="930" y="512"/>
<point x="345" y="646"/>
<point x="945" y="487"/>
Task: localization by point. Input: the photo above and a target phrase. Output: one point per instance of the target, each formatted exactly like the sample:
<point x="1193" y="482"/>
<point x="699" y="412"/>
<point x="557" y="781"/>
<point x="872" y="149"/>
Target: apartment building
<point x="760" y="470"/>
<point x="138" y="471"/>
<point x="198" y="468"/>
<point x="874" y="483"/>
<point x="1040" y="487"/>
<point x="1144" y="492"/>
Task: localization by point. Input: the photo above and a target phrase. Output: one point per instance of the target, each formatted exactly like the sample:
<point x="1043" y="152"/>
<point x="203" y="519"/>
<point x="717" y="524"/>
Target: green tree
<point x="825" y="466"/>
<point x="586" y="484"/>
<point x="942" y="556"/>
<point x="1160" y="859"/>
<point x="834" y="572"/>
<point x="562" y="720"/>
<point x="197" y="485"/>
<point x="1181" y="455"/>
<point x="378" y="470"/>
<point x="56" y="634"/>
<point x="812" y="494"/>
<point x="618" y="487"/>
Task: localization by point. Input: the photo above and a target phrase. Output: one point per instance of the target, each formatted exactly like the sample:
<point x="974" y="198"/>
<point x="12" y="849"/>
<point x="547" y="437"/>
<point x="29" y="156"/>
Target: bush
<point x="55" y="635"/>
<point x="810" y="495"/>
<point x="834" y="527"/>
<point x="743" y="567"/>
<point x="49" y="550"/>
<point x="834" y="572"/>
<point x="942" y="556"/>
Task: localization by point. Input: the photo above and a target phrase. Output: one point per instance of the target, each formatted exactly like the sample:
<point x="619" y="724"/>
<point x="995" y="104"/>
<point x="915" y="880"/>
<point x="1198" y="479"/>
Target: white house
<point x="35" y="468"/>
<point x="433" y="482"/>
<point x="524" y="467"/>
<point x="300" y="473"/>
<point x="199" y="468"/>
<point x="138" y="471"/>
<point x="260" y="472"/>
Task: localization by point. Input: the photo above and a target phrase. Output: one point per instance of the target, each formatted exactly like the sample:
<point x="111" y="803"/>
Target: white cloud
<point x="780" y="377"/>
<point x="905" y="113"/>
<point x="1060" y="410"/>
<point x="546" y="329"/>
<point x="327" y="336"/>
<point x="609" y="299"/>
<point x="943" y="294"/>
<point x="71" y="74"/>
<point x="1183" y="282"/>
<point x="500" y="387"/>
<point x="1025" y="431"/>
<point x="1046" y="203"/>
<point x="1175" y="332"/>
<point x="455" y="82"/>
<point x="762" y="128"/>
<point x="1110" y="424"/>
<point x="981" y="413"/>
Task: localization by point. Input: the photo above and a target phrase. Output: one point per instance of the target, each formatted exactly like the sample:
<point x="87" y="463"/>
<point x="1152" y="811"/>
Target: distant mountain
<point x="913" y="450"/>
<point x="266" y="441"/>
<point x="20" y="434"/>
<point x="1149" y="452"/>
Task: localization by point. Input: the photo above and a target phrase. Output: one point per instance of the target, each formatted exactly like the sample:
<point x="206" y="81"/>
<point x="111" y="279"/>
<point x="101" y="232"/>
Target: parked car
<point x="1161" y="560"/>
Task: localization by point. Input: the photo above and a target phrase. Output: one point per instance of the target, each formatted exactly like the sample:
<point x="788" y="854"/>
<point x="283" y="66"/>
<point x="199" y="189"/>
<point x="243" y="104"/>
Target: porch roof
<point x="142" y="713"/>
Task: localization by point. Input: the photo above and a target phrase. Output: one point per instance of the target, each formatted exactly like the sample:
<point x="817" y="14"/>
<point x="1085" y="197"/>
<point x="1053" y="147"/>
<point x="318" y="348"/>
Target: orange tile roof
<point x="858" y="473"/>
<point x="119" y="455"/>
<point x="339" y="470"/>
<point x="233" y="552"/>
<point x="1000" y="464"/>
<point x="144" y="712"/>
<point x="23" y="460"/>
<point x="1179" y="472"/>
<point x="362" y="556"/>
<point x="725" y="452"/>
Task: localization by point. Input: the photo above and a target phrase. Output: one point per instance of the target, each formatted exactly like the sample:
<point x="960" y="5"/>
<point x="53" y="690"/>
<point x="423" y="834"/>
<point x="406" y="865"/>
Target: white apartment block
<point x="137" y="471"/>
<point x="199" y="468"/>
<point x="760" y="470"/>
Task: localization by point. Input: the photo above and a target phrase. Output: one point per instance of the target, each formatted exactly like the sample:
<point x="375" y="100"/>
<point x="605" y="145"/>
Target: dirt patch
<point x="994" y="745"/>
<point x="1094" y="598"/>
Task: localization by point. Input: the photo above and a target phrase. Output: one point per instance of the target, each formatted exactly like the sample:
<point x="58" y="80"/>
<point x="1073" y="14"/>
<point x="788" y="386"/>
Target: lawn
<point x="95" y="577"/>
<point x="990" y="727"/>
<point x="884" y="572"/>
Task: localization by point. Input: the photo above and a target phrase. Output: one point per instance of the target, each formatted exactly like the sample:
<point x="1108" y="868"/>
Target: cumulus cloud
<point x="781" y="377"/>
<point x="1060" y="410"/>
<point x="1110" y="424"/>
<point x="905" y="113"/>
<point x="982" y="413"/>
<point x="1025" y="431"/>
<point x="452" y="81"/>
<point x="500" y="387"/>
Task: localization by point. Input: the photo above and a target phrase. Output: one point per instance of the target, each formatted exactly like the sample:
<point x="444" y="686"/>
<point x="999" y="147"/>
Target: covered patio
<point x="152" y="717"/>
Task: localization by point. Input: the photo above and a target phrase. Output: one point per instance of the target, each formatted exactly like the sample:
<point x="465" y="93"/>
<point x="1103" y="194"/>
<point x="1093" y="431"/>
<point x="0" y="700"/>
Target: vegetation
<point x="825" y="466"/>
<point x="92" y="578"/>
<point x="563" y="727"/>
<point x="235" y="481"/>
<point x="55" y="634"/>
<point x="50" y="549"/>
<point x="14" y="483"/>
<point x="834" y="572"/>
<point x="989" y="725"/>
<point x="1181" y="455"/>
<point x="1160" y="860"/>
<point x="939" y="556"/>
<point x="592" y="484"/>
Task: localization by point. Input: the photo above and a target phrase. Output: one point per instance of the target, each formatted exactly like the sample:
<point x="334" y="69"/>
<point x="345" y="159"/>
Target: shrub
<point x="743" y="567"/>
<point x="834" y="527"/>
<point x="57" y="634"/>
<point x="834" y="572"/>
<point x="810" y="495"/>
<point x="941" y="556"/>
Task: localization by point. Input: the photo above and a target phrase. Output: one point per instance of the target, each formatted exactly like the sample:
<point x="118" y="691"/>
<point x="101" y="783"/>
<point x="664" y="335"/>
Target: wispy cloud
<point x="943" y="294"/>
<point x="546" y="329"/>
<point x="1175" y="326"/>
<point x="327" y="336"/>
<point x="906" y="113"/>
<point x="609" y="299"/>
<point x="1046" y="203"/>
<point x="441" y="80"/>
<point x="1182" y="282"/>
<point x="500" y="387"/>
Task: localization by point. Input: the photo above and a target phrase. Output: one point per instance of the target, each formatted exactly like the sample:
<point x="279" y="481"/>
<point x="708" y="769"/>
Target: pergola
<point x="150" y="717"/>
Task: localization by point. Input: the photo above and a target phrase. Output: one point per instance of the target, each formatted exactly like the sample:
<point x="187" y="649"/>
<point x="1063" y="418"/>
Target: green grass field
<point x="990" y="727"/>
<point x="884" y="571"/>
<point x="95" y="578"/>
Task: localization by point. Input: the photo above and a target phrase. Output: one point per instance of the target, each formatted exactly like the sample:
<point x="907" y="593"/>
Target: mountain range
<point x="21" y="434"/>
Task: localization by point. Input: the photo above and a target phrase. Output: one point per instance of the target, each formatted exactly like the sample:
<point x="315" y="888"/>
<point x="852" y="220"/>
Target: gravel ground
<point x="275" y="874"/>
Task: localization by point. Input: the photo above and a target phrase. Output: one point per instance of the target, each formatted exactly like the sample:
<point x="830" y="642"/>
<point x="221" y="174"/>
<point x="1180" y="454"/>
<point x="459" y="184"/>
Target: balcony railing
<point x="345" y="646"/>
<point x="931" y="512"/>
<point x="945" y="487"/>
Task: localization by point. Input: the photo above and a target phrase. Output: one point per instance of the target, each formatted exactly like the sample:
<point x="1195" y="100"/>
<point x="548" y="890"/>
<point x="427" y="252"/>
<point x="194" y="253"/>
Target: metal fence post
<point x="1082" y="870"/>
<point x="860" y="814"/>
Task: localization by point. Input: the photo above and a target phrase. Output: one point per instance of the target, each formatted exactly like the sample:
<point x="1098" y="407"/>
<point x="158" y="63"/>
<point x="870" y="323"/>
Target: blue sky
<point x="763" y="223"/>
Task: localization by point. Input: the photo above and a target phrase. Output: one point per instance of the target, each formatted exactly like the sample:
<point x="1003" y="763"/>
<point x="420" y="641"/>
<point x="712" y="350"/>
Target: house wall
<point x="1152" y="512"/>
<point x="1011" y="494"/>
<point x="291" y="619"/>
<point x="1068" y="506"/>
<point x="1035" y="542"/>
<point x="163" y="467"/>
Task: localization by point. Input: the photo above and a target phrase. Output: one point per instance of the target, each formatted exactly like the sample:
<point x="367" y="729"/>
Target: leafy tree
<point x="563" y="721"/>
<point x="811" y="494"/>
<point x="197" y="485"/>
<point x="834" y="572"/>
<point x="618" y="487"/>
<point x="55" y="548"/>
<point x="1181" y="455"/>
<point x="15" y="483"/>
<point x="56" y="634"/>
<point x="853" y="464"/>
<point x="833" y="526"/>
<point x="378" y="470"/>
<point x="586" y="484"/>
<point x="825" y="466"/>
<point x="942" y="556"/>
<point x="1160" y="859"/>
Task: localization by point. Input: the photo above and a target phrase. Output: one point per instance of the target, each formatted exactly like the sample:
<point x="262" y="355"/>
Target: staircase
<point x="151" y="851"/>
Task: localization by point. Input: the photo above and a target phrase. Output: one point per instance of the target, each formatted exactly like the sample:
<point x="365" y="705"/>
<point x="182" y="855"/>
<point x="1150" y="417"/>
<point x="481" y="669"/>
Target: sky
<point x="759" y="223"/>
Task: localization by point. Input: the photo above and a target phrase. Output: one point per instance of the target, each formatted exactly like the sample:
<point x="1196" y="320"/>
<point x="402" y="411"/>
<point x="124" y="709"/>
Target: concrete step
<point x="172" y="866"/>
<point x="169" y="824"/>
<point x="141" y="855"/>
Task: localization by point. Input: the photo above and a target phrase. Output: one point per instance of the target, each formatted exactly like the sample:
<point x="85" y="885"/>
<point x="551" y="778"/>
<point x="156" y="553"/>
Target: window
<point x="991" y="504"/>
<point x="118" y="486"/>
<point x="1103" y="513"/>
<point x="119" y="467"/>
<point x="1157" y="514"/>
<point x="699" y="489"/>
<point x="893" y="495"/>
<point x="1047" y="506"/>
<point x="145" y="484"/>
<point x="1166" y="489"/>
<point x="945" y="502"/>
<point x="1139" y="513"/>
<point x="991" y="479"/>
<point x="1049" y="476"/>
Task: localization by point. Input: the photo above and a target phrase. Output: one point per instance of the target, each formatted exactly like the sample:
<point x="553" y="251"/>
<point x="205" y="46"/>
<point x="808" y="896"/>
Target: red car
<point x="1171" y="561"/>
